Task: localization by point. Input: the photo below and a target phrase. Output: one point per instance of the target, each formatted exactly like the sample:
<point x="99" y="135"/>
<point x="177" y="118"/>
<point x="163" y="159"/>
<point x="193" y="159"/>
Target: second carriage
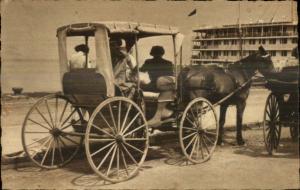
<point x="112" y="122"/>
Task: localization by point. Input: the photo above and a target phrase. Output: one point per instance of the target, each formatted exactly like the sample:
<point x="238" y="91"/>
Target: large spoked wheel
<point x="116" y="139"/>
<point x="198" y="130"/>
<point x="271" y="124"/>
<point x="47" y="133"/>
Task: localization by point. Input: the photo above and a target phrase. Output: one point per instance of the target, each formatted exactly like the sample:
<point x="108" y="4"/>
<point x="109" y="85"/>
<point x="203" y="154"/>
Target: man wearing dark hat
<point x="78" y="59"/>
<point x="156" y="67"/>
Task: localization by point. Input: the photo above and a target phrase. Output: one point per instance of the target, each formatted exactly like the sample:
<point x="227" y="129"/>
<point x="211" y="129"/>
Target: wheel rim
<point x="271" y="124"/>
<point x="116" y="139"/>
<point x="198" y="132"/>
<point x="46" y="132"/>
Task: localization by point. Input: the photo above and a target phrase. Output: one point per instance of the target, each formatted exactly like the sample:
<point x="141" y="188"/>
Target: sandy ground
<point x="231" y="167"/>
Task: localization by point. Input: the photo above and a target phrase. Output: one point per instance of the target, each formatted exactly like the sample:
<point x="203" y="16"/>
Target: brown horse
<point x="214" y="83"/>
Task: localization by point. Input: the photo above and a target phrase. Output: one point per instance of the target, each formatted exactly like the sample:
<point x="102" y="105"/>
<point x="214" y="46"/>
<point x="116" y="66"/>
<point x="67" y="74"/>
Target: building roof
<point x="143" y="29"/>
<point x="258" y="24"/>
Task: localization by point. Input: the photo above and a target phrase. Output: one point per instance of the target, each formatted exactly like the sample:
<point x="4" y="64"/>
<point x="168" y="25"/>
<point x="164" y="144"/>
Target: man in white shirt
<point x="78" y="59"/>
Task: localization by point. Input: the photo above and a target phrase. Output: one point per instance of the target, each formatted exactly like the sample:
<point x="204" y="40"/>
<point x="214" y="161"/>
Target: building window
<point x="226" y="42"/>
<point x="233" y="42"/>
<point x="244" y="53"/>
<point x="273" y="53"/>
<point x="233" y="53"/>
<point x="225" y="53"/>
<point x="294" y="40"/>
<point x="272" y="41"/>
<point x="251" y="41"/>
<point x="208" y="43"/>
<point x="216" y="54"/>
<point x="283" y="41"/>
<point x="262" y="41"/>
<point x="284" y="53"/>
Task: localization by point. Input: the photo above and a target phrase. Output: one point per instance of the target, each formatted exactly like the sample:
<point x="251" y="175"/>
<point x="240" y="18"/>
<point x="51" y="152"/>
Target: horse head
<point x="260" y="61"/>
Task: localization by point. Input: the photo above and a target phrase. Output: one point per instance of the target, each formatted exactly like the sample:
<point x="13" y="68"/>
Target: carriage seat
<point x="165" y="90"/>
<point x="84" y="86"/>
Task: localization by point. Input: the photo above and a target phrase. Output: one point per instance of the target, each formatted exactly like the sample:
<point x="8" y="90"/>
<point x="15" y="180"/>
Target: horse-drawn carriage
<point x="282" y="106"/>
<point x="115" y="133"/>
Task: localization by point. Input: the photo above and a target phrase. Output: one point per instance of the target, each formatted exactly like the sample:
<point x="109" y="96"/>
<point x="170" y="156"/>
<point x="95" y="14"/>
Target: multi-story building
<point x="230" y="43"/>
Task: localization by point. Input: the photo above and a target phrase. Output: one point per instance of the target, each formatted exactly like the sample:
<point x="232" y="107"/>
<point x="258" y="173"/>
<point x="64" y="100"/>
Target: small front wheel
<point x="116" y="139"/>
<point x="198" y="130"/>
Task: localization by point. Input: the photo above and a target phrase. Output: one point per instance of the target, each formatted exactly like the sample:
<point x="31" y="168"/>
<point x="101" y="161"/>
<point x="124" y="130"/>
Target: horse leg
<point x="240" y="108"/>
<point x="223" y="109"/>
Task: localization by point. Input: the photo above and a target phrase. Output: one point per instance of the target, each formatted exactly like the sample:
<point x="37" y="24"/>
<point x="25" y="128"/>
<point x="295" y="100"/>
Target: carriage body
<point x="110" y="121"/>
<point x="282" y="106"/>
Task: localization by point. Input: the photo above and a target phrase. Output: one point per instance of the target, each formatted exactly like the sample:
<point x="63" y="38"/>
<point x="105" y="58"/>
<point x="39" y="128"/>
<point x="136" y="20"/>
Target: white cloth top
<point x="77" y="60"/>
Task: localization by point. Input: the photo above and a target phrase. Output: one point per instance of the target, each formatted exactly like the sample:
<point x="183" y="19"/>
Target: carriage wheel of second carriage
<point x="47" y="132"/>
<point x="198" y="130"/>
<point x="271" y="124"/>
<point x="117" y="139"/>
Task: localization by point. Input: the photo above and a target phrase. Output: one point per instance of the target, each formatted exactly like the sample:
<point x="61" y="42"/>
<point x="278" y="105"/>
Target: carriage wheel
<point x="198" y="130"/>
<point x="271" y="124"/>
<point x="116" y="139"/>
<point x="46" y="132"/>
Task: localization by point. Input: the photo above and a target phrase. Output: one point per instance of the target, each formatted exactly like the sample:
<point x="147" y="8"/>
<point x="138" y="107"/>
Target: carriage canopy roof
<point x="141" y="29"/>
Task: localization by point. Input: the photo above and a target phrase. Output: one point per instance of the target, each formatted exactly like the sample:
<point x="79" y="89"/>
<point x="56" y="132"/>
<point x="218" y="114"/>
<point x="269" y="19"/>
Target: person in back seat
<point x="78" y="59"/>
<point x="156" y="68"/>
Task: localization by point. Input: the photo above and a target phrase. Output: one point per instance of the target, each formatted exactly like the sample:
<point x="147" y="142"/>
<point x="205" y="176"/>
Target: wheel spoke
<point x="107" y="154"/>
<point x="111" y="160"/>
<point x="193" y="147"/>
<point x="188" y="128"/>
<point x="119" y="116"/>
<point x="131" y="122"/>
<point x="49" y="112"/>
<point x="39" y="124"/>
<point x="210" y="133"/>
<point x="68" y="118"/>
<point x="190" y="142"/>
<point x="188" y="119"/>
<point x="63" y="112"/>
<point x="70" y="140"/>
<point x="42" y="145"/>
<point x="208" y="139"/>
<point x="189" y="135"/>
<point x="70" y="124"/>
<point x="43" y="160"/>
<point x="103" y="148"/>
<point x="56" y="110"/>
<point x="124" y="162"/>
<point x="126" y="116"/>
<point x="112" y="116"/>
<point x="135" y="139"/>
<point x="118" y="161"/>
<point x="103" y="131"/>
<point x="205" y="145"/>
<point x="53" y="152"/>
<point x="43" y="117"/>
<point x="102" y="116"/>
<point x="200" y="143"/>
<point x="101" y="140"/>
<point x="132" y="158"/>
<point x="36" y="132"/>
<point x="136" y="129"/>
<point x="59" y="150"/>
<point x="133" y="147"/>
<point x="38" y="141"/>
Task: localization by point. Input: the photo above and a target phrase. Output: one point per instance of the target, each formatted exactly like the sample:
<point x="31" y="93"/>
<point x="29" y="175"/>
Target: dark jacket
<point x="157" y="67"/>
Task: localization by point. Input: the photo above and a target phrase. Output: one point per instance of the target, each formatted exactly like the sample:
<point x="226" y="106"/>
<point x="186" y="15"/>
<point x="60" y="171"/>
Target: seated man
<point x="156" y="68"/>
<point x="120" y="60"/>
<point x="162" y="80"/>
<point x="78" y="59"/>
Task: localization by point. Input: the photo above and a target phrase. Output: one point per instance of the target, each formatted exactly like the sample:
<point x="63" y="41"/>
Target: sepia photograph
<point x="149" y="94"/>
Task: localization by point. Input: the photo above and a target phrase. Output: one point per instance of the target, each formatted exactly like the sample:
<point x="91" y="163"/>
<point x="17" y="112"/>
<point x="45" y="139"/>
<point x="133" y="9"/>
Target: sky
<point x="29" y="45"/>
